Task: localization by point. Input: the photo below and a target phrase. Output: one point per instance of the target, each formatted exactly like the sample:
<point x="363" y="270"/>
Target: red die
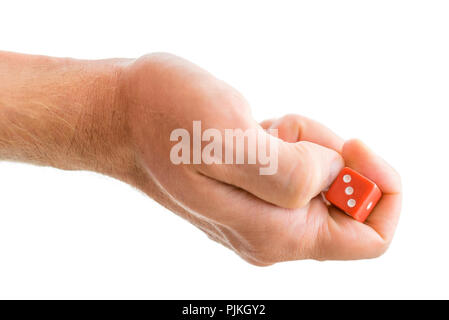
<point x="354" y="194"/>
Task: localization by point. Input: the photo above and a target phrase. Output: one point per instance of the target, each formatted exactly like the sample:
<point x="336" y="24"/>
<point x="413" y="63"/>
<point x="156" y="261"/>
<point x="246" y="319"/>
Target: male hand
<point x="263" y="218"/>
<point x="116" y="117"/>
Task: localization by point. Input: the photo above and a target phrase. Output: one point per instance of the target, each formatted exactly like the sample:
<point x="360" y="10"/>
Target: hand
<point x="116" y="117"/>
<point x="264" y="218"/>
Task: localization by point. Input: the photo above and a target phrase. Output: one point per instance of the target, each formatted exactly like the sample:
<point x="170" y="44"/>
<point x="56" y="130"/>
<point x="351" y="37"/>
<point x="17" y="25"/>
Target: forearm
<point x="61" y="112"/>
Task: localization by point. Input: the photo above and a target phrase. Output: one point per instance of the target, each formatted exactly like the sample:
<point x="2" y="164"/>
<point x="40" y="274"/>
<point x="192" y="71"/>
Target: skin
<point x="115" y="117"/>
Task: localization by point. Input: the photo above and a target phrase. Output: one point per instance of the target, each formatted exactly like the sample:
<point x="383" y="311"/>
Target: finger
<point x="221" y="204"/>
<point x="259" y="232"/>
<point x="347" y="239"/>
<point x="385" y="216"/>
<point x="293" y="128"/>
<point x="344" y="238"/>
<point x="267" y="123"/>
<point x="297" y="172"/>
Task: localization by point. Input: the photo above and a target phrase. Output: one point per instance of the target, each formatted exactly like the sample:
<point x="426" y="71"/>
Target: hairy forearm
<point x="62" y="112"/>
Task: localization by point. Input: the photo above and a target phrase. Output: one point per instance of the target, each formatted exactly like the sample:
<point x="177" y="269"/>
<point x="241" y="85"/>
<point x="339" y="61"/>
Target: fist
<point x="263" y="218"/>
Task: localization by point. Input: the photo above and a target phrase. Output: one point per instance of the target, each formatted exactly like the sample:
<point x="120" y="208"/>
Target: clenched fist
<point x="122" y="117"/>
<point x="263" y="218"/>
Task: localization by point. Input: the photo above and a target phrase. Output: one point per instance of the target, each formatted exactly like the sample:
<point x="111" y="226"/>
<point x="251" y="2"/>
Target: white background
<point x="376" y="70"/>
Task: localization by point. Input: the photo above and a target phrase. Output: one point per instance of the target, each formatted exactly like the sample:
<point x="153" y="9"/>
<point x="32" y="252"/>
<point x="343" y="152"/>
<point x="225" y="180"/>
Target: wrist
<point x="104" y="143"/>
<point x="64" y="113"/>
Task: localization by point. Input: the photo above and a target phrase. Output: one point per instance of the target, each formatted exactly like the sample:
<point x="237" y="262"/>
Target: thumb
<point x="294" y="174"/>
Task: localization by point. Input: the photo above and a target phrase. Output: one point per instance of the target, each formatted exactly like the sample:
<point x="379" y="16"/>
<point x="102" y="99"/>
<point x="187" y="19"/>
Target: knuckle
<point x="158" y="56"/>
<point x="295" y="121"/>
<point x="293" y="118"/>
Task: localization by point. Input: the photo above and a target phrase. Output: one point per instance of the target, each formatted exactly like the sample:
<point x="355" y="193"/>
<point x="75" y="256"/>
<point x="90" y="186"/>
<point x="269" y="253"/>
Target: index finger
<point x="293" y="128"/>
